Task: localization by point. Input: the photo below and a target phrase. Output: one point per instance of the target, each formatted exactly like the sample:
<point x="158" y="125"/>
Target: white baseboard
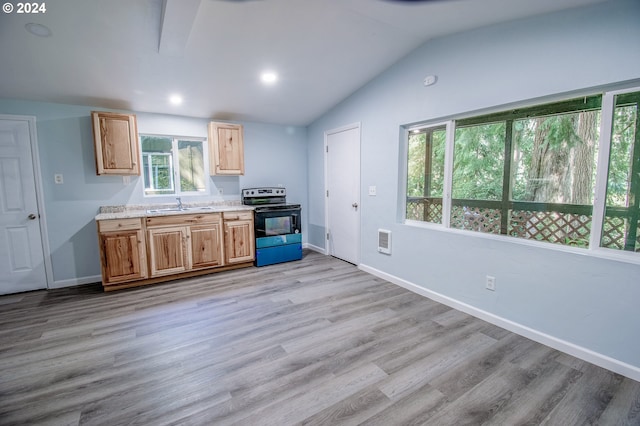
<point x="604" y="361"/>
<point x="76" y="281"/>
<point x="314" y="248"/>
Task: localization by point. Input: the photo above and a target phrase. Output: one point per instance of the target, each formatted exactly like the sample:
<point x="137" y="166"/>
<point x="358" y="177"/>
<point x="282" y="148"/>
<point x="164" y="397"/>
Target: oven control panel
<point x="264" y="196"/>
<point x="264" y="192"/>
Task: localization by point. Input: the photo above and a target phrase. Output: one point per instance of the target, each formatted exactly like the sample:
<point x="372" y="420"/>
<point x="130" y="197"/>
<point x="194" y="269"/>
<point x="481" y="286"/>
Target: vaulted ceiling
<point x="135" y="54"/>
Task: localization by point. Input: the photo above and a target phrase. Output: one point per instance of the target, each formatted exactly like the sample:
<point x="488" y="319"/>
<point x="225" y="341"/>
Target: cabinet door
<point x="168" y="250"/>
<point x="206" y="246"/>
<point x="116" y="143"/>
<point x="239" y="241"/>
<point x="226" y="149"/>
<point x="123" y="256"/>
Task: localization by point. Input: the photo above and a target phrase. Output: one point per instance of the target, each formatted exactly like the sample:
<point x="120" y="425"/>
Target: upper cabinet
<point x="116" y="140"/>
<point x="226" y="149"/>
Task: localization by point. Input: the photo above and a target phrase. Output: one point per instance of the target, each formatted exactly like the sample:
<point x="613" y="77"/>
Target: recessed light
<point x="38" y="30"/>
<point x="269" y="77"/>
<point x="175" y="99"/>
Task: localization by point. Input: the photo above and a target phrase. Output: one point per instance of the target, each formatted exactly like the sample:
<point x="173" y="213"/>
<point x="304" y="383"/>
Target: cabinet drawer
<point x="119" y="225"/>
<point x="183" y="219"/>
<point x="246" y="215"/>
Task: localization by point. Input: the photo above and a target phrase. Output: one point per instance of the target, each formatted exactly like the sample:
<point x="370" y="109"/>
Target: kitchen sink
<point x="168" y="209"/>
<point x="180" y="209"/>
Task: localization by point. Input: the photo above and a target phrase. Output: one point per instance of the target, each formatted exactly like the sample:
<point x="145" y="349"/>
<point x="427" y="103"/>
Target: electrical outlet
<point x="372" y="190"/>
<point x="58" y="178"/>
<point x="491" y="283"/>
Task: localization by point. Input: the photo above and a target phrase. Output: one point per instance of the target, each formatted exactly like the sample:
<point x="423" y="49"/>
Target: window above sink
<point x="174" y="165"/>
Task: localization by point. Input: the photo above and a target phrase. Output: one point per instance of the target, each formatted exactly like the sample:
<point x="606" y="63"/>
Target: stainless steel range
<point x="277" y="225"/>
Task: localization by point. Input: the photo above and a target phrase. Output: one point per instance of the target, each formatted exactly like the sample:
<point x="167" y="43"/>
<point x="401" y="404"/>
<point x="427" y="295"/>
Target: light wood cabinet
<point x="122" y="250"/>
<point x="226" y="149"/>
<point x="147" y="250"/>
<point x="184" y="242"/>
<point x="239" y="237"/>
<point x="116" y="143"/>
<point x="206" y="246"/>
<point x="168" y="250"/>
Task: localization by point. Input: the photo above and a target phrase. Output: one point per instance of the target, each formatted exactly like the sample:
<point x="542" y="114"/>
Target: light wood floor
<point x="310" y="342"/>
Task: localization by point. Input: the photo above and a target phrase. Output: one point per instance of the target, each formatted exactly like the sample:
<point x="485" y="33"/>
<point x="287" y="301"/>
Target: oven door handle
<point x="269" y="210"/>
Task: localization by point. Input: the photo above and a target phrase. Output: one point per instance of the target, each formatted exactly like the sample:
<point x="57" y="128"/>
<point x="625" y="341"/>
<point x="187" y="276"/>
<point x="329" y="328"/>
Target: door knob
<point x="32" y="216"/>
<point x="355" y="206"/>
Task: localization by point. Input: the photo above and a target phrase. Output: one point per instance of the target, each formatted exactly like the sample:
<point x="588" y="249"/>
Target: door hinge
<point x="327" y="148"/>
<point x="327" y="235"/>
<point x="327" y="192"/>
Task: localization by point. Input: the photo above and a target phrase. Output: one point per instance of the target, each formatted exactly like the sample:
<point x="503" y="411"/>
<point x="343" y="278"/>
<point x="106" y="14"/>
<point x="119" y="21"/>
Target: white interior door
<point x="21" y="254"/>
<point x="343" y="192"/>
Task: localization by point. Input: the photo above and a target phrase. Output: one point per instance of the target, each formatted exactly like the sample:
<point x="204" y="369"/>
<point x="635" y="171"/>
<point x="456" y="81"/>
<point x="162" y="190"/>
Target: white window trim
<point x="176" y="166"/>
<point x="448" y="171"/>
<point x="150" y="168"/>
<point x="602" y="176"/>
<point x="448" y="174"/>
<point x="602" y="171"/>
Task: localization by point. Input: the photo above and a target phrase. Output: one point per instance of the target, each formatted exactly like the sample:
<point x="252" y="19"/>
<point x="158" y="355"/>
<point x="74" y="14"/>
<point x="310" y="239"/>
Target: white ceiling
<point x="124" y="54"/>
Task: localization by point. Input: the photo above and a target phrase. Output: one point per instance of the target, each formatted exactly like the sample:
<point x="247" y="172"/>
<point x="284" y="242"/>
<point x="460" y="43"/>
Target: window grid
<point x="575" y="225"/>
<point x="181" y="172"/>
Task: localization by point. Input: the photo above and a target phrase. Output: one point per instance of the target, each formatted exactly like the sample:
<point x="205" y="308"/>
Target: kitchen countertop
<point x="148" y="210"/>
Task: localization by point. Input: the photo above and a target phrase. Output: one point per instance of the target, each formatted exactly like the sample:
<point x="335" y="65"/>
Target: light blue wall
<point x="587" y="301"/>
<point x="273" y="155"/>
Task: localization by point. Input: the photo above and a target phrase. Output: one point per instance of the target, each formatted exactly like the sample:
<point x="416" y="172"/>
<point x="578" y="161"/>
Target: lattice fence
<point x="425" y="210"/>
<point x="571" y="229"/>
<point x="479" y="219"/>
<point x="614" y="232"/>
<point x="560" y="228"/>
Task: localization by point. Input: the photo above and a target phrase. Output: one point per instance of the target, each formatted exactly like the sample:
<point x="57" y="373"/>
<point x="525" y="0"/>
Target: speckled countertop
<point x="145" y="210"/>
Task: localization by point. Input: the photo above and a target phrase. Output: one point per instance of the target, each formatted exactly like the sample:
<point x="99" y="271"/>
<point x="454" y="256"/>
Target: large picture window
<point x="173" y="166"/>
<point x="531" y="173"/>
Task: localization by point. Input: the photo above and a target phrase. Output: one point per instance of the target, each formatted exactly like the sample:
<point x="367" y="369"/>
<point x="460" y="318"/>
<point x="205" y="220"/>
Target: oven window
<point x="280" y="225"/>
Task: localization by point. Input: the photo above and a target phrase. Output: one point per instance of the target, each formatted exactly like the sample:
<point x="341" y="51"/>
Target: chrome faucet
<point x="179" y="203"/>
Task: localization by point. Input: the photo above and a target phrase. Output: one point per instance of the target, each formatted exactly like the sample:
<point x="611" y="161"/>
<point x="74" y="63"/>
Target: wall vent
<point x="384" y="241"/>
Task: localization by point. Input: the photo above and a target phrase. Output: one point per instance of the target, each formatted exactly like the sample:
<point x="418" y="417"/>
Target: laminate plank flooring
<point x="314" y="342"/>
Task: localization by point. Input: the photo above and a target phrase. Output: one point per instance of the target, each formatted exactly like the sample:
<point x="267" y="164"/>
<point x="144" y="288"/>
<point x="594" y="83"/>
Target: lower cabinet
<point x="123" y="250"/>
<point x="158" y="248"/>
<point x="206" y="245"/>
<point x="182" y="243"/>
<point x="168" y="250"/>
<point x="239" y="237"/>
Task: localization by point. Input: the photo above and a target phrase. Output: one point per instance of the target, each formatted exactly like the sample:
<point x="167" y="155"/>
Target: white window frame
<point x="599" y="203"/>
<point x="602" y="176"/>
<point x="150" y="168"/>
<point x="176" y="165"/>
<point x="448" y="173"/>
